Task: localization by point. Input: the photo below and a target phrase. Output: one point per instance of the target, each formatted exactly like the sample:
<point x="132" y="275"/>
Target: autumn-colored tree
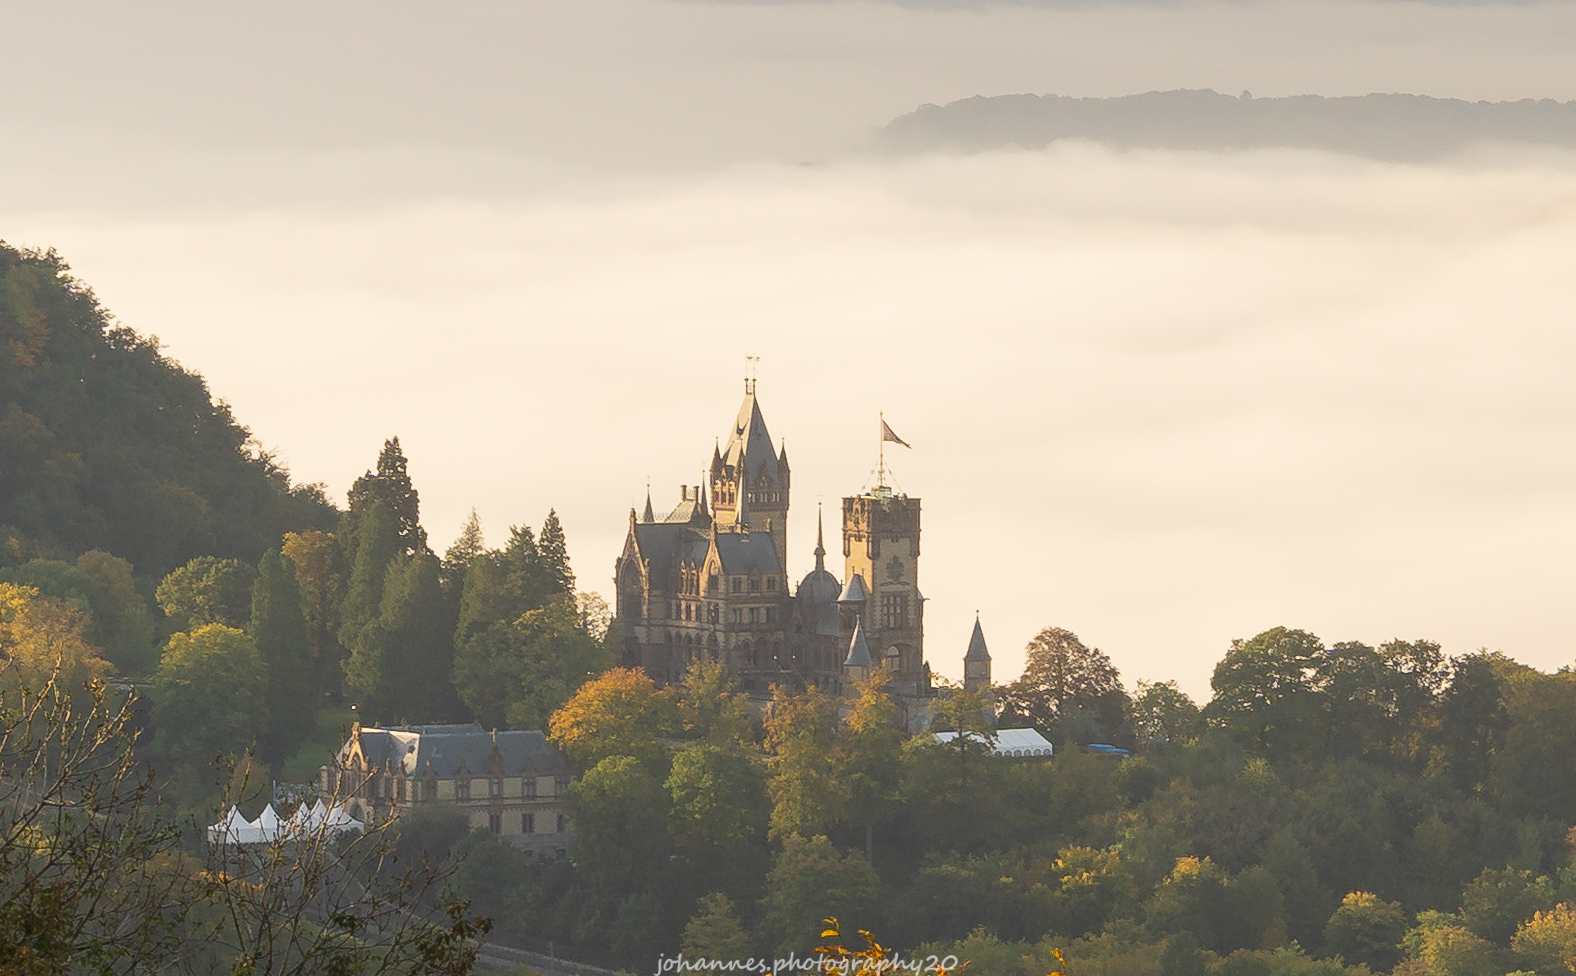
<point x="807" y="796"/>
<point x="41" y="635"/>
<point x="1548" y="939"/>
<point x="619" y="713"/>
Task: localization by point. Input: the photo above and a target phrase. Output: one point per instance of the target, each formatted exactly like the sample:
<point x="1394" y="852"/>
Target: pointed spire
<point x="820" y="542"/>
<point x="704" y="490"/>
<point x="782" y="453"/>
<point x="649" y="516"/>
<point x="977" y="651"/>
<point x="741" y="515"/>
<point x="858" y="650"/>
<point x="853" y="590"/>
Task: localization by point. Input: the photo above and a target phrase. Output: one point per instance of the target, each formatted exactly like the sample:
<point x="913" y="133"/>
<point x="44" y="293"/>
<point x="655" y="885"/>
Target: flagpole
<point x="881" y="450"/>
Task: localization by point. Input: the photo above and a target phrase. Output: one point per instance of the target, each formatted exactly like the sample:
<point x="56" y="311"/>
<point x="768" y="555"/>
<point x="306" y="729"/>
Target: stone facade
<point x="507" y="782"/>
<point x="710" y="579"/>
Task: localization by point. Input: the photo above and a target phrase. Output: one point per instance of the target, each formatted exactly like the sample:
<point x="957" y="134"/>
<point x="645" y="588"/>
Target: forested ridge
<point x="1334" y="808"/>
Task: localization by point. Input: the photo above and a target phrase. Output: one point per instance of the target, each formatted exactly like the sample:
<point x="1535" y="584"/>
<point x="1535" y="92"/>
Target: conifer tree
<point x="376" y="545"/>
<point x="391" y="485"/>
<point x="554" y="552"/>
<point x="466" y="547"/>
<point x="401" y="662"/>
<point x="279" y="630"/>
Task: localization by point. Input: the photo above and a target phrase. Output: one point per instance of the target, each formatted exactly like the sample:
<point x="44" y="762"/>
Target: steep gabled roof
<point x="749" y="451"/>
<point x="742" y="553"/>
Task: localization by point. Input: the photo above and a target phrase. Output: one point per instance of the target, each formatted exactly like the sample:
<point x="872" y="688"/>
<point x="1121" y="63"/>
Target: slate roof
<point x="446" y="747"/>
<point x="858" y="649"/>
<point x="749" y="448"/>
<point x="742" y="553"/>
<point x="854" y="591"/>
<point x="660" y="542"/>
<point x="977" y="651"/>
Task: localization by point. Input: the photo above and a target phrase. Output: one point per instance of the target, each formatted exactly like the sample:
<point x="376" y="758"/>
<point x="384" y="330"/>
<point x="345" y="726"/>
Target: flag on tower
<point x="888" y="435"/>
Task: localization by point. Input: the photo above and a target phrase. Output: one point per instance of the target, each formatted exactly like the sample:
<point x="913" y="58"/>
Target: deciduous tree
<point x="210" y="695"/>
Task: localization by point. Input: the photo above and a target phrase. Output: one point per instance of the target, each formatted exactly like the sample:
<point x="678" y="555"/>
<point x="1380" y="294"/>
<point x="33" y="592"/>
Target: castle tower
<point x="881" y="547"/>
<point x="976" y="662"/>
<point x="750" y="467"/>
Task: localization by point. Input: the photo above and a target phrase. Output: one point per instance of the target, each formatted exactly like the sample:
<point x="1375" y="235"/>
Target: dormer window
<point x="495" y="787"/>
<point x="771" y="583"/>
<point x="755" y="586"/>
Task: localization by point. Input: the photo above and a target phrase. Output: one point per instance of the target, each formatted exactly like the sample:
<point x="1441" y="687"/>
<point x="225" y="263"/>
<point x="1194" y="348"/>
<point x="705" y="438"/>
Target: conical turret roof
<point x="854" y="590"/>
<point x="858" y="650"/>
<point x="977" y="651"/>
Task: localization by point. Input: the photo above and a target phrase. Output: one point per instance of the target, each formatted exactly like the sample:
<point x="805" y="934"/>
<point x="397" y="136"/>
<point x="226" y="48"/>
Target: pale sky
<point x="1162" y="399"/>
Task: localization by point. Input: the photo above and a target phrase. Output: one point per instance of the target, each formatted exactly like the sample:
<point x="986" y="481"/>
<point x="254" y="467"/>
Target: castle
<point x="710" y="579"/>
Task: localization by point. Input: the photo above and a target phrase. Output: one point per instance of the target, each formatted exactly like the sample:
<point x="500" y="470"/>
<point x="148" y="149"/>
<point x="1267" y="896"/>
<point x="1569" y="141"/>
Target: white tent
<point x="269" y="825"/>
<point x="233" y="829"/>
<point x="336" y="820"/>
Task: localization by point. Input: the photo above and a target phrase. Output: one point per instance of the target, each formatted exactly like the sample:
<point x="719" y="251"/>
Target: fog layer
<point x="1163" y="399"/>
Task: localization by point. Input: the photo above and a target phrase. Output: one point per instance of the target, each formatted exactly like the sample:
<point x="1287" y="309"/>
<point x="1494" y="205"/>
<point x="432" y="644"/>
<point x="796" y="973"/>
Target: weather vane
<point x="749" y="373"/>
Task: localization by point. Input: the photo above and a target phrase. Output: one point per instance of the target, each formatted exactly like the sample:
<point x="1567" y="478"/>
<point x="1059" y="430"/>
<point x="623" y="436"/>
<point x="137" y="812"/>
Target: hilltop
<point x="1379" y="126"/>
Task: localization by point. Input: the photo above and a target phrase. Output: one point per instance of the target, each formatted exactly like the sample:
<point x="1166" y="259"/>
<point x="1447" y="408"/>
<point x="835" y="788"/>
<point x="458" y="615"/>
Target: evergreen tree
<point x="401" y="663"/>
<point x="279" y="630"/>
<point x="554" y="552"/>
<point x="376" y="543"/>
<point x="466" y="547"/>
<point x="391" y="485"/>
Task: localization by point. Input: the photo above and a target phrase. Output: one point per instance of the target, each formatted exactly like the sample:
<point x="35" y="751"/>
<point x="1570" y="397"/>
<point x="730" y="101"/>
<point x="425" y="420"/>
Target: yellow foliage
<point x="1550" y="937"/>
<point x="39" y="634"/>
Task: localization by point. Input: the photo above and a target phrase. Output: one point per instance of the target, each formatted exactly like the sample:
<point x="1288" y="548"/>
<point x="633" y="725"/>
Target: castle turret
<point x="750" y="479"/>
<point x="976" y="662"/>
<point x="856" y="667"/>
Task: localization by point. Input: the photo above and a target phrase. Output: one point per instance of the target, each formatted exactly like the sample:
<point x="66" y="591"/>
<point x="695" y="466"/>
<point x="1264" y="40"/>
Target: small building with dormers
<point x="510" y="783"/>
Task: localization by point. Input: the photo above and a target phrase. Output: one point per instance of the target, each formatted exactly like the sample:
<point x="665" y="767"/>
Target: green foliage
<point x="810" y="881"/>
<point x="710" y="705"/>
<point x="620" y="813"/>
<point x="279" y="629"/>
<point x="554" y="552"/>
<point x="1070" y="692"/>
<point x="516" y="673"/>
<point x="371" y="542"/>
<point x="389" y="485"/>
<point x="807" y="797"/>
<point x="208" y="591"/>
<point x="1496" y="902"/>
<point x="318" y="563"/>
<point x="715" y="931"/>
<point x="106" y="444"/>
<point x="1366" y="930"/>
<point x="209" y="695"/>
<point x="1162" y="712"/>
<point x="401" y="663"/>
